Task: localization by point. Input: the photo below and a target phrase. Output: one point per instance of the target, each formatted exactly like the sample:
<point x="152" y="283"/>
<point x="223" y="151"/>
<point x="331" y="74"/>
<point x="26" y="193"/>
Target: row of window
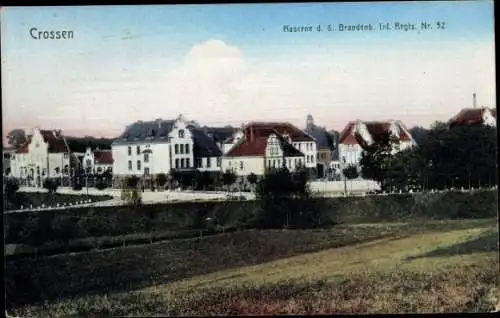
<point x="309" y="146"/>
<point x="309" y="158"/>
<point x="277" y="163"/>
<point x="130" y="168"/>
<point x="182" y="163"/>
<point x="199" y="162"/>
<point x="181" y="149"/>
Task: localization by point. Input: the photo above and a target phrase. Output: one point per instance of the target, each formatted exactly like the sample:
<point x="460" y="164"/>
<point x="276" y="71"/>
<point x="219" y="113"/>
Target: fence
<point x="339" y="186"/>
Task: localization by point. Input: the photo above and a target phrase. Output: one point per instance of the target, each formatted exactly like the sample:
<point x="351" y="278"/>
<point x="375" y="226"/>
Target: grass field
<point x="37" y="199"/>
<point x="439" y="266"/>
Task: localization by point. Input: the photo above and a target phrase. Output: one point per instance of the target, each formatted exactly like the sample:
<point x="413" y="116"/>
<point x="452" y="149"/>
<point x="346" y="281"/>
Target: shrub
<point x="77" y="187"/>
<point x="132" y="182"/>
<point x="51" y="185"/>
<point x="11" y="187"/>
<point x="101" y="185"/>
<point x="162" y="179"/>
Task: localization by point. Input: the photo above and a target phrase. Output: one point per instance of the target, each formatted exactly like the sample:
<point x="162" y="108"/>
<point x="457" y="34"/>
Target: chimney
<point x="158" y="121"/>
<point x="474" y="100"/>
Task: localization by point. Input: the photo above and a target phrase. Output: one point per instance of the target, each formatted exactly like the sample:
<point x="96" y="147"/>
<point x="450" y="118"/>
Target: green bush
<point x="32" y="228"/>
<point x="51" y="185"/>
<point x="101" y="185"/>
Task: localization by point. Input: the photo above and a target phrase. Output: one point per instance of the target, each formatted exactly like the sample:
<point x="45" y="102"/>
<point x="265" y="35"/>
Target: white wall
<point x="181" y="142"/>
<point x="213" y="164"/>
<point x="488" y="118"/>
<point x="351" y="153"/>
<point x="338" y="186"/>
<point x="159" y="158"/>
<point x="308" y="148"/>
<point x="244" y="166"/>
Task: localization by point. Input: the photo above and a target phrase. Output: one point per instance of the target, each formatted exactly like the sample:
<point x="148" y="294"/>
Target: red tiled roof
<point x="374" y="128"/>
<point x="23" y="148"/>
<point x="56" y="143"/>
<point x="264" y="129"/>
<point x="255" y="147"/>
<point x="103" y="157"/>
<point x="471" y="116"/>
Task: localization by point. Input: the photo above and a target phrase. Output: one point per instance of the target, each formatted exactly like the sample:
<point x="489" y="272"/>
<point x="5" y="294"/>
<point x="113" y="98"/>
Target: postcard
<point x="250" y="159"/>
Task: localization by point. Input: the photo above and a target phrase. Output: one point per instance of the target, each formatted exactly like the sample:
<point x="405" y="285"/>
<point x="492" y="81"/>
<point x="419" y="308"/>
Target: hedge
<point x="37" y="228"/>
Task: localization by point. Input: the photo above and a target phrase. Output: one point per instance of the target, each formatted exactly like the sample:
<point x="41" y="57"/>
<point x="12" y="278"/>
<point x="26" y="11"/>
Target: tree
<point x="376" y="159"/>
<point x="252" y="179"/>
<point x="162" y="179"/>
<point x="350" y="172"/>
<point x="285" y="199"/>
<point x="228" y="178"/>
<point x="16" y="138"/>
<point x="51" y="185"/>
<point x="205" y="180"/>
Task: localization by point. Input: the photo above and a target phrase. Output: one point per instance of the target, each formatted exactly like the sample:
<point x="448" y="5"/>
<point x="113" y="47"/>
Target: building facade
<point x="475" y="116"/>
<point x="259" y="146"/>
<point x="147" y="149"/>
<point x="97" y="161"/>
<point x="44" y="155"/>
<point x="325" y="146"/>
<point x="358" y="133"/>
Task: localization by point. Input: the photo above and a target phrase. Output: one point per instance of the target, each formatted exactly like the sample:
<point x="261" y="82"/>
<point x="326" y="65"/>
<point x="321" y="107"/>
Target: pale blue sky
<point x="221" y="64"/>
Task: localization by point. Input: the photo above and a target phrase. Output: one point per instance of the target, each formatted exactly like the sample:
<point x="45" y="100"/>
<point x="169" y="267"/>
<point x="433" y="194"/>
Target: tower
<point x="309" y="121"/>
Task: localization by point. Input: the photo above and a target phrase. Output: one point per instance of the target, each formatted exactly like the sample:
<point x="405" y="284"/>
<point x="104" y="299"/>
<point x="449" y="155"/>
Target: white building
<point x="44" y="155"/>
<point x="149" y="148"/>
<point x="97" y="161"/>
<point x="358" y="134"/>
<point x="261" y="146"/>
<point x="475" y="116"/>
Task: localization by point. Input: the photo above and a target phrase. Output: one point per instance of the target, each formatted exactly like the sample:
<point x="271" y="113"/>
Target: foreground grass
<point x="433" y="267"/>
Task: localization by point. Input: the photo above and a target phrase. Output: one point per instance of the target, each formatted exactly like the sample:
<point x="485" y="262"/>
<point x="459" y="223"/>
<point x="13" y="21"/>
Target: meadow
<point x="391" y="267"/>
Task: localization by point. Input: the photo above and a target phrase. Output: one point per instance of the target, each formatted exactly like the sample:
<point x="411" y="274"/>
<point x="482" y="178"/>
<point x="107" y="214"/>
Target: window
<point x="274" y="163"/>
<point x="176" y="149"/>
<point x="99" y="169"/>
<point x="182" y="148"/>
<point x="317" y="156"/>
<point x="188" y="162"/>
<point x="218" y="162"/>
<point x="146" y="157"/>
<point x="129" y="151"/>
<point x="138" y="165"/>
<point x="89" y="162"/>
<point x="146" y="171"/>
<point x="182" y="162"/>
<point x="65" y="155"/>
<point x="181" y="133"/>
<point x="241" y="165"/>
<point x="176" y="163"/>
<point x="269" y="163"/>
<point x="187" y="148"/>
<point x="138" y="150"/>
<point x="198" y="163"/>
<point x="208" y="162"/>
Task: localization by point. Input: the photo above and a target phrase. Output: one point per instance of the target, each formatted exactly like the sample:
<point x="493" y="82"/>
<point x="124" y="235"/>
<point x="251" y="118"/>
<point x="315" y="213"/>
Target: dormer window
<point x="181" y="133"/>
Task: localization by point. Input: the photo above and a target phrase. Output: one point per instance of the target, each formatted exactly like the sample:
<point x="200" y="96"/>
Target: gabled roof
<point x="349" y="136"/>
<point x="204" y="145"/>
<point x="55" y="142"/>
<point x="471" y="116"/>
<point x="256" y="146"/>
<point x="282" y="128"/>
<point x="141" y="131"/>
<point x="103" y="157"/>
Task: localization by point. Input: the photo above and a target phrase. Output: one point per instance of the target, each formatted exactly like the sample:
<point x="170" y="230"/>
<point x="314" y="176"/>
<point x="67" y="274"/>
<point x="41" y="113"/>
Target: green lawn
<point x="439" y="266"/>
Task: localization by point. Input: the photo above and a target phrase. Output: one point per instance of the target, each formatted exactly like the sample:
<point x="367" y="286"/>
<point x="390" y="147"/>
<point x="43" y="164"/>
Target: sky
<point x="226" y="64"/>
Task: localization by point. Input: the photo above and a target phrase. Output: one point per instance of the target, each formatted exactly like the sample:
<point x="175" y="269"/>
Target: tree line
<point x="445" y="157"/>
